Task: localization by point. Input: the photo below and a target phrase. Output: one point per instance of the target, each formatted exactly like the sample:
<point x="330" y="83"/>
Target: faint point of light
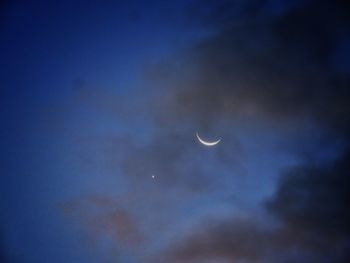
<point x="153" y="176"/>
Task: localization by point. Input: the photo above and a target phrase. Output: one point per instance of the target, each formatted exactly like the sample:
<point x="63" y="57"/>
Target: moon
<point x="206" y="143"/>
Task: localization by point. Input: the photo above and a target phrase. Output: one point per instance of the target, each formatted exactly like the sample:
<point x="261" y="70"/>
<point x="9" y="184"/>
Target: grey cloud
<point x="277" y="68"/>
<point x="272" y="68"/>
<point x="257" y="67"/>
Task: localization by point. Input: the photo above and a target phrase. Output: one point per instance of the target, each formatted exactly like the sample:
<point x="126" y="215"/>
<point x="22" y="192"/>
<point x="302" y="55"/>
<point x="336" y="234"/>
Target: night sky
<point x="100" y="103"/>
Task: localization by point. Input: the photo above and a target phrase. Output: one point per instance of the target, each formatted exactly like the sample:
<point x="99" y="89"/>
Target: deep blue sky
<point x="98" y="96"/>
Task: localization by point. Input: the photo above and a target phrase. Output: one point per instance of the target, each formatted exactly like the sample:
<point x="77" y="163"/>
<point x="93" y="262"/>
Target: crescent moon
<point x="206" y="143"/>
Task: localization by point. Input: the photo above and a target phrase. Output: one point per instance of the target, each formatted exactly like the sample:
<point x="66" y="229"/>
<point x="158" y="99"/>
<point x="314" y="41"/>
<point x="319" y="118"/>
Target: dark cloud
<point x="259" y="66"/>
<point x="315" y="198"/>
<point x="273" y="66"/>
<point x="311" y="208"/>
<point x="245" y="240"/>
<point x="270" y="67"/>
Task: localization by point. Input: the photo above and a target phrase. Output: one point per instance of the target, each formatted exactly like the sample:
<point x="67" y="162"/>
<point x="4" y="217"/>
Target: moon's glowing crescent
<point x="205" y="142"/>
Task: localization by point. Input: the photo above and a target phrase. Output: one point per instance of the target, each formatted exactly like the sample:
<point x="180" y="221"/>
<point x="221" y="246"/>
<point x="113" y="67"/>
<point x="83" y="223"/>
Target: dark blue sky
<point x="99" y="96"/>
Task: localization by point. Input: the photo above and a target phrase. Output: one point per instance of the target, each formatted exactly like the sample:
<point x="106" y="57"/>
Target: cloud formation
<point x="270" y="67"/>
